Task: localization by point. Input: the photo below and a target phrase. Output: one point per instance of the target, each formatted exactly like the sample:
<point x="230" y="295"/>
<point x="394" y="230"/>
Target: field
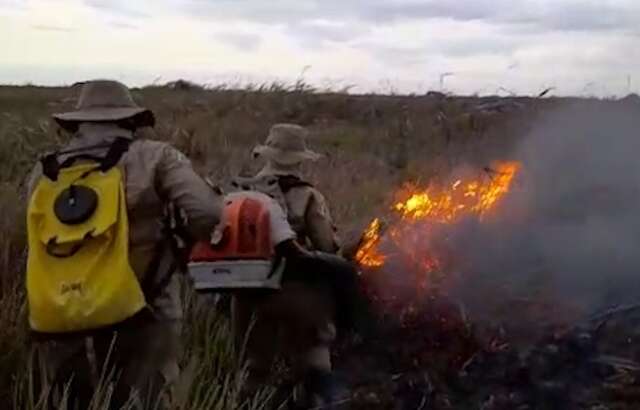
<point x="372" y="144"/>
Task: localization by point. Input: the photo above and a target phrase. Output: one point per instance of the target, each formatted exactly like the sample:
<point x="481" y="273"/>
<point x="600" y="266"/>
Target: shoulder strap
<point x="285" y="182"/>
<point x="51" y="165"/>
<point x="288" y="182"/>
<point x="177" y="241"/>
<point x="118" y="148"/>
<point x="154" y="281"/>
<point x="275" y="186"/>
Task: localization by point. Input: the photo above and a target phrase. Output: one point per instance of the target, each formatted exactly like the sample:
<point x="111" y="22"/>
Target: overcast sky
<point x="581" y="47"/>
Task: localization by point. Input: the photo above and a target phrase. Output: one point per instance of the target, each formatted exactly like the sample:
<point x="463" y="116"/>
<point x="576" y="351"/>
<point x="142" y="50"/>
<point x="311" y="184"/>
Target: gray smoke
<point x="570" y="230"/>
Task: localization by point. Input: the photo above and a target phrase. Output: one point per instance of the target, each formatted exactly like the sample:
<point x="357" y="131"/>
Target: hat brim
<point x="142" y="116"/>
<point x="284" y="157"/>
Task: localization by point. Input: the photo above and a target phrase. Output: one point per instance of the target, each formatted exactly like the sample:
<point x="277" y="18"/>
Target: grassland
<point x="372" y="144"/>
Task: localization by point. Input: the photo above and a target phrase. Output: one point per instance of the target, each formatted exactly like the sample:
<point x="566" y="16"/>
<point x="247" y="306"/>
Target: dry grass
<point x="372" y="143"/>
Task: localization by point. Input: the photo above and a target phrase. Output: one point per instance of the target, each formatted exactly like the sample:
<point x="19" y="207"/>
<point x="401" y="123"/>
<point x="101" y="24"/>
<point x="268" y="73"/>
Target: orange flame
<point x="367" y="254"/>
<point x="435" y="204"/>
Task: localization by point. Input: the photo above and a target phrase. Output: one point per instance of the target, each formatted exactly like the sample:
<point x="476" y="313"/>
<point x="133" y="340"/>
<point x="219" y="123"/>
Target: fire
<point x="427" y="208"/>
<point x="367" y="254"/>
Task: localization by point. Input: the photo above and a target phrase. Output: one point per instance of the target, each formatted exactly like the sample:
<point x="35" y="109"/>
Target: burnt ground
<point x="426" y="353"/>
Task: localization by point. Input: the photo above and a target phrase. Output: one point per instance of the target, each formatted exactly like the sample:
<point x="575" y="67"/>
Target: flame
<point x="431" y="206"/>
<point x="367" y="254"/>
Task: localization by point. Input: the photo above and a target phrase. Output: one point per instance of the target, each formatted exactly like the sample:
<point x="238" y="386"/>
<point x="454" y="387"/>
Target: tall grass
<point x="210" y="380"/>
<point x="371" y="144"/>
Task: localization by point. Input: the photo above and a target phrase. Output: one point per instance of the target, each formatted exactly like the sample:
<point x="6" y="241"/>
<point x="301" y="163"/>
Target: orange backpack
<point x="240" y="254"/>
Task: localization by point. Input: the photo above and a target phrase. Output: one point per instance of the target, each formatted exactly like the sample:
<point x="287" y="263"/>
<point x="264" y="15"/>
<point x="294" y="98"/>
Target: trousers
<point x="136" y="359"/>
<point x="294" y="323"/>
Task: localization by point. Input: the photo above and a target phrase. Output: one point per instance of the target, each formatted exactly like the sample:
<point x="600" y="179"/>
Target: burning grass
<point x="418" y="215"/>
<point x="538" y="352"/>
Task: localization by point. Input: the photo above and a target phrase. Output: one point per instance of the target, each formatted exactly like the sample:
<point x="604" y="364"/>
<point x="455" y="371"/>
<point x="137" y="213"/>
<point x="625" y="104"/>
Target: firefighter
<point x="143" y="350"/>
<point x="298" y="321"/>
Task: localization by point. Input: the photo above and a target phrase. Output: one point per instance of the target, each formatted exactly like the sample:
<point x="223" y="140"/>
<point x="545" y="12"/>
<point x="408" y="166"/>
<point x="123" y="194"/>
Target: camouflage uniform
<point x="146" y="348"/>
<point x="297" y="321"/>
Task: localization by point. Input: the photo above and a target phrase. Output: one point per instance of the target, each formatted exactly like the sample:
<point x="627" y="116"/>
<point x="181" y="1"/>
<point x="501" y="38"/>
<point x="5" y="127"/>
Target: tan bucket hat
<point x="105" y="101"/>
<point x="286" y="144"/>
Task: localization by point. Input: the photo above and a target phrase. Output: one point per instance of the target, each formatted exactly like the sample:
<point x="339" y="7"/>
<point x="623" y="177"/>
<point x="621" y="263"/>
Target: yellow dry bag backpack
<point x="78" y="272"/>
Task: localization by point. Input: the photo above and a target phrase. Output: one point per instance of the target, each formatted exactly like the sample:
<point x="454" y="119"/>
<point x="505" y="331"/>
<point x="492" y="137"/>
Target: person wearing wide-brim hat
<point x="304" y="312"/>
<point x="146" y="351"/>
<point x="105" y="101"/>
<point x="284" y="152"/>
<point x="286" y="146"/>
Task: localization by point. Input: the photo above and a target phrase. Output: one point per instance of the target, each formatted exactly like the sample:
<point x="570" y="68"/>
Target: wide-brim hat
<point x="105" y="101"/>
<point x="286" y="144"/>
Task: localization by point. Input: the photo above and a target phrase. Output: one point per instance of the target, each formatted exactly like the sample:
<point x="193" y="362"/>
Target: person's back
<point x="305" y="207"/>
<point x="309" y="215"/>
<point x="154" y="175"/>
<point x="298" y="320"/>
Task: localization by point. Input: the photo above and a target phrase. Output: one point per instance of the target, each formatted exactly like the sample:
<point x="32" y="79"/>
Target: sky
<point x="579" y="47"/>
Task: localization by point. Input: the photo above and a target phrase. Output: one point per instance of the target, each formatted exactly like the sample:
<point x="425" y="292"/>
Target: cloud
<point x="257" y="11"/>
<point x="117" y="7"/>
<point x="561" y="15"/>
<point x="241" y="41"/>
<point x="442" y="38"/>
<point x="13" y="3"/>
<point x="575" y="15"/>
<point x="321" y="33"/>
<point x="518" y="44"/>
<point x="12" y="6"/>
<point x="123" y="25"/>
<point x="60" y="29"/>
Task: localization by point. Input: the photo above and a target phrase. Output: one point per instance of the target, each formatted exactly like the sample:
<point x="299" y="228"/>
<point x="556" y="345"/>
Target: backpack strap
<point x="288" y="182"/>
<point x="285" y="182"/>
<point x="155" y="281"/>
<point x="51" y="165"/>
<point x="117" y="149"/>
<point x="177" y="241"/>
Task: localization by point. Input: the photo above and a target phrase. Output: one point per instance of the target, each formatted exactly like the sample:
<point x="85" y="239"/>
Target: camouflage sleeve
<point x="177" y="182"/>
<point x="320" y="228"/>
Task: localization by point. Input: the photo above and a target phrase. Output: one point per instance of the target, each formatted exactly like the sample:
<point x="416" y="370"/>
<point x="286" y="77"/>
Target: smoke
<point x="570" y="230"/>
